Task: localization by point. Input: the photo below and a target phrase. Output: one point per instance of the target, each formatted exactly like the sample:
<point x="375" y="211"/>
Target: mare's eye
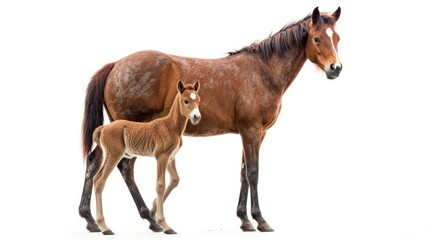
<point x="316" y="40"/>
<point x="186" y="102"/>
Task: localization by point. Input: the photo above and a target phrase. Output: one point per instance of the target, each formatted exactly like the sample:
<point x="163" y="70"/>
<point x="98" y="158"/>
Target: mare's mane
<point x="292" y="35"/>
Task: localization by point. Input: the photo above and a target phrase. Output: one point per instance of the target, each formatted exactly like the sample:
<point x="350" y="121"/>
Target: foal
<point x="160" y="138"/>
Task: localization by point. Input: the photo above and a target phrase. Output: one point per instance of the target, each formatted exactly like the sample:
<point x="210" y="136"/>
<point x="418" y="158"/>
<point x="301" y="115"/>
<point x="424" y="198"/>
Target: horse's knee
<point x="252" y="175"/>
<point x="174" y="182"/>
<point x="160" y="187"/>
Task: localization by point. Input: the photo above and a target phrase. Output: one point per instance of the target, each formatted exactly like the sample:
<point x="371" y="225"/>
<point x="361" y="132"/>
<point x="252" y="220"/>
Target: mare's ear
<point x="197" y="85"/>
<point x="180" y="86"/>
<point x="315" y="17"/>
<point x="337" y="14"/>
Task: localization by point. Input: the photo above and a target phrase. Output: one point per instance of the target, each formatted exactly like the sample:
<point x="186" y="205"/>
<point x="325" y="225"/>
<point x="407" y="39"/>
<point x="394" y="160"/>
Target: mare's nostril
<point x="336" y="67"/>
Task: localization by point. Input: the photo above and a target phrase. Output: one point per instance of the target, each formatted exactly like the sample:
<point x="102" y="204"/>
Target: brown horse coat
<point x="242" y="94"/>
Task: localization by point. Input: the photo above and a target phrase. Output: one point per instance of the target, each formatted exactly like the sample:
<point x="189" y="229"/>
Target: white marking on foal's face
<point x="195" y="116"/>
<point x="193" y="96"/>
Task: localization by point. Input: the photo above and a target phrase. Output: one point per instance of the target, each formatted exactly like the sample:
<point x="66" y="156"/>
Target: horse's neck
<point x="176" y="120"/>
<point x="285" y="68"/>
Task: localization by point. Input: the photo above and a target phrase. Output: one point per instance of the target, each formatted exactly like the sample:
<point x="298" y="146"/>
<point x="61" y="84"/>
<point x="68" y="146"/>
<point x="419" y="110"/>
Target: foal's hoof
<point x="155" y="227"/>
<point x="108" y="232"/>
<point x="247" y="227"/>
<point x="170" y="231"/>
<point x="264" y="227"/>
<point x="93" y="227"/>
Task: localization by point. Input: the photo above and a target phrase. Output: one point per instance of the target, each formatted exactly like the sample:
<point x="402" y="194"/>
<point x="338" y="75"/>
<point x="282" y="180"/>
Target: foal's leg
<point x="126" y="167"/>
<point x="162" y="161"/>
<point x="110" y="161"/>
<point x="174" y="181"/>
<point x="252" y="139"/>
<point x="93" y="162"/>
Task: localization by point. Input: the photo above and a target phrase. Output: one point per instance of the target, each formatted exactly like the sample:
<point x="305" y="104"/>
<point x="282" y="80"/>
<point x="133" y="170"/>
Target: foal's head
<point x="321" y="47"/>
<point x="189" y="101"/>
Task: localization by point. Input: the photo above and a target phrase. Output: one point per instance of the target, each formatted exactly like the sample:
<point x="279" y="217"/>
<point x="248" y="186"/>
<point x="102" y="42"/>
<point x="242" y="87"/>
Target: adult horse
<point x="242" y="94"/>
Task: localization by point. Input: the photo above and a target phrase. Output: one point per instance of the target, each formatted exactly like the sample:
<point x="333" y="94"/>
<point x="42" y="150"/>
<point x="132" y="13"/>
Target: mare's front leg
<point x="93" y="163"/>
<point x="174" y="181"/>
<point x="252" y="139"/>
<point x="246" y="225"/>
<point x="126" y="167"/>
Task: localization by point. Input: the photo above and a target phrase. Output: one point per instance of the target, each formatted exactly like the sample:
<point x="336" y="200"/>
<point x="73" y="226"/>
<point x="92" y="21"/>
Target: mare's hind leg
<point x="174" y="181"/>
<point x="252" y="139"/>
<point x="126" y="167"/>
<point x="93" y="162"/>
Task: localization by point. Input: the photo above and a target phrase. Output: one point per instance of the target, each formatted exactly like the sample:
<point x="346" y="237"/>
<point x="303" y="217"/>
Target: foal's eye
<point x="316" y="40"/>
<point x="186" y="102"/>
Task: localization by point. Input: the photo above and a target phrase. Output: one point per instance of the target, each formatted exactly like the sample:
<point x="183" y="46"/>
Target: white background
<point x="347" y="159"/>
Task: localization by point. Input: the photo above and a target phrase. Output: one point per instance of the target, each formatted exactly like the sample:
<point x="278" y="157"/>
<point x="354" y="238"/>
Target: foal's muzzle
<point x="195" y="116"/>
<point x="334" y="70"/>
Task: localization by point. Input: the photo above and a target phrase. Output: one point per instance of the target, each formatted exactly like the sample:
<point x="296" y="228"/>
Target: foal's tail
<point x="96" y="135"/>
<point x="93" y="113"/>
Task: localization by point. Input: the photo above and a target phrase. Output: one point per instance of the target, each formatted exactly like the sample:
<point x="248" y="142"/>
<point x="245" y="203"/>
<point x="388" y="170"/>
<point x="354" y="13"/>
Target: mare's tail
<point x="93" y="113"/>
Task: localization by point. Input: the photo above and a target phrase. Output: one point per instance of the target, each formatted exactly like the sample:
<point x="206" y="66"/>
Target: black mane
<point x="292" y="35"/>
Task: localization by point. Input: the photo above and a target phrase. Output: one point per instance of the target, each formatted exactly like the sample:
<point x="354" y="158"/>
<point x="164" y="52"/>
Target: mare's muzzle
<point x="334" y="71"/>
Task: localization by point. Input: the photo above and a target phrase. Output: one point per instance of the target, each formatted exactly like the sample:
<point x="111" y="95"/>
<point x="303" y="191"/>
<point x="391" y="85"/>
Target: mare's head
<point x="321" y="47"/>
<point x="189" y="101"/>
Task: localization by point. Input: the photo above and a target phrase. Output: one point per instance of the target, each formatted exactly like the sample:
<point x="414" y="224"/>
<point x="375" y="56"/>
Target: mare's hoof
<point x="247" y="227"/>
<point x="155" y="227"/>
<point x="170" y="231"/>
<point x="93" y="227"/>
<point x="264" y="227"/>
<point x="108" y="232"/>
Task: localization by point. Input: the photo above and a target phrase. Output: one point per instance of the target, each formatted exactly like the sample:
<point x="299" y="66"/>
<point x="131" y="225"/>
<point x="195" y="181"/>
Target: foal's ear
<point x="315" y="17"/>
<point x="337" y="14"/>
<point x="197" y="85"/>
<point x="180" y="86"/>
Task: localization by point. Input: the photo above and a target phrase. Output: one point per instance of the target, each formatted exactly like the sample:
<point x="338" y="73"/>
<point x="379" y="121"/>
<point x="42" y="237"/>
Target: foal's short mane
<point x="292" y="35"/>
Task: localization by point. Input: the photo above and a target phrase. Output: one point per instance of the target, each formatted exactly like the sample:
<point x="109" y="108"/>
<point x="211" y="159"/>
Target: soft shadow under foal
<point x="160" y="138"/>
